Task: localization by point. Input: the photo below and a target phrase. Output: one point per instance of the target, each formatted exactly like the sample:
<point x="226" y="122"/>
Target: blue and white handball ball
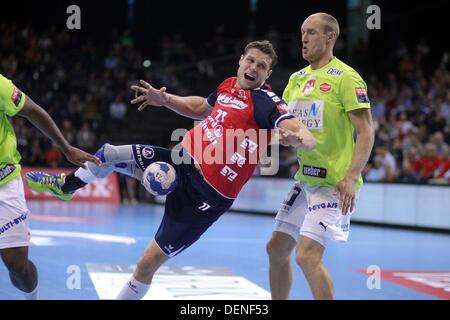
<point x="160" y="178"/>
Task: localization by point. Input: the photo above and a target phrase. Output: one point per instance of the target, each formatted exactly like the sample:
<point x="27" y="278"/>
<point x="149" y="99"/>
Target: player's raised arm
<point x="194" y="107"/>
<point x="42" y="120"/>
<point x="296" y="134"/>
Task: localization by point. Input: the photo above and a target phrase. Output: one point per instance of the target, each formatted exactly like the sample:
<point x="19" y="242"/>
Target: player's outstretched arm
<point x="296" y="134"/>
<point x="192" y="107"/>
<point x="42" y="120"/>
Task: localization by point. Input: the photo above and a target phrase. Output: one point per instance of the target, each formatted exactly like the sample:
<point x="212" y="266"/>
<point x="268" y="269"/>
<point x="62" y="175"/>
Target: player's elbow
<point x="202" y="110"/>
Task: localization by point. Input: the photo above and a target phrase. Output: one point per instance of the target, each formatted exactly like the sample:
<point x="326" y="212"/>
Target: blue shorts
<point x="190" y="209"/>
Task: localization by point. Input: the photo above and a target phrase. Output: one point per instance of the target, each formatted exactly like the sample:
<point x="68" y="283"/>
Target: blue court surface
<point x="88" y="251"/>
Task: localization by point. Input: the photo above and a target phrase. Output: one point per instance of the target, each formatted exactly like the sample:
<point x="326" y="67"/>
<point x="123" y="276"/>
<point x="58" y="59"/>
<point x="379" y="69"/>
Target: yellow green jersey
<point x="12" y="101"/>
<point x="321" y="99"/>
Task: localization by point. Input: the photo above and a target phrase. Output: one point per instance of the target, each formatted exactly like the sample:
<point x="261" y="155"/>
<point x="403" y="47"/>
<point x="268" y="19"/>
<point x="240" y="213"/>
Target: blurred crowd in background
<point x="84" y="85"/>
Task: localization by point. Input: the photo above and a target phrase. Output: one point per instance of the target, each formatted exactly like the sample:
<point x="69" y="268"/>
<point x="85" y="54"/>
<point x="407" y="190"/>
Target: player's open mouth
<point x="246" y="76"/>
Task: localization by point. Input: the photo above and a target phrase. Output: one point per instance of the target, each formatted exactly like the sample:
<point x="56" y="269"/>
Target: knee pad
<point x="114" y="154"/>
<point x="101" y="153"/>
<point x="113" y="158"/>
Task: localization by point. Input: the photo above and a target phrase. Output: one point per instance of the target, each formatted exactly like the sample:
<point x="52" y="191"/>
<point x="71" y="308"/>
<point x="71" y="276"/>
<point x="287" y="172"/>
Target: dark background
<point x="406" y="20"/>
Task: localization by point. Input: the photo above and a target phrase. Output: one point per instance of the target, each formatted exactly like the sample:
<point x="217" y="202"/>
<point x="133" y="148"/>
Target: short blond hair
<point x="330" y="23"/>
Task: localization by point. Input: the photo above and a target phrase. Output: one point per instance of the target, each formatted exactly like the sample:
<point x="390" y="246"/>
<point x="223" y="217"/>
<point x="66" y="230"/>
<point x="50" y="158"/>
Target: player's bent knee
<point x="17" y="265"/>
<point x="308" y="259"/>
<point x="100" y="153"/>
<point x="111" y="157"/>
<point x="108" y="153"/>
<point x="272" y="248"/>
<point x="279" y="248"/>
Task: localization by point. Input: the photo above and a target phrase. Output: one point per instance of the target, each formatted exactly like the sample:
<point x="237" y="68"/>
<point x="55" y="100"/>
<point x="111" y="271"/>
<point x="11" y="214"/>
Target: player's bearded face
<point x="254" y="69"/>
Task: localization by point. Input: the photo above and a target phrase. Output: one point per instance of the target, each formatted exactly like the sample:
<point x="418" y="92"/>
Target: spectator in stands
<point x="379" y="171"/>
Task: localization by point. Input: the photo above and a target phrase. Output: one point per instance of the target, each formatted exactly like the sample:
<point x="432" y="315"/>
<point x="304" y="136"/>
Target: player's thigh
<point x="324" y="220"/>
<point x="173" y="237"/>
<point x="291" y="215"/>
<point x="189" y="211"/>
<point x="14" y="230"/>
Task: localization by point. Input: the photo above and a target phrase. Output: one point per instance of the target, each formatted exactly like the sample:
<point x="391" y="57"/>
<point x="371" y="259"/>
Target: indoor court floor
<point x="88" y="251"/>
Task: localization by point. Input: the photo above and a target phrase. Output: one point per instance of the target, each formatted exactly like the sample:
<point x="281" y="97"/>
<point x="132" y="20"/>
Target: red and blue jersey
<point x="229" y="143"/>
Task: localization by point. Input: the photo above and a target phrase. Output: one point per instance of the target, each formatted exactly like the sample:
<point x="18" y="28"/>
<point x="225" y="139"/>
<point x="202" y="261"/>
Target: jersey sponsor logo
<point x="6" y="171"/>
<point x="325" y="87"/>
<point x="16" y="96"/>
<point x="216" y="127"/>
<point x="132" y="287"/>
<point x="140" y="161"/>
<point x="309" y="87"/>
<point x="173" y="253"/>
<point x="148" y="153"/>
<point x="207" y="132"/>
<point x="345" y="227"/>
<point x="323" y="225"/>
<point x="276" y="99"/>
<point x="249" y="144"/>
<point x="169" y="248"/>
<point x="334" y="72"/>
<point x="290" y="199"/>
<point x="231" y="102"/>
<point x="218" y="131"/>
<point x="282" y="108"/>
<point x="12" y="223"/>
<point x="238" y="159"/>
<point x="323" y="205"/>
<point x="361" y="95"/>
<point x="272" y="95"/>
<point x="204" y="206"/>
<point x="310" y="113"/>
<point x="240" y="93"/>
<point x="229" y="173"/>
<point x="314" y="171"/>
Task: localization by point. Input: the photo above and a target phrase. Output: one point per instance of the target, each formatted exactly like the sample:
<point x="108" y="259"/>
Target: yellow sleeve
<point x="12" y="99"/>
<point x="353" y="92"/>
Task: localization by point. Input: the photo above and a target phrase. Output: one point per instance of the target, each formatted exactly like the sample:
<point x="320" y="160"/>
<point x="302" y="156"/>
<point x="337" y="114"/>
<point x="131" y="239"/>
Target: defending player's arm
<point x="354" y="98"/>
<point x="192" y="107"/>
<point x="362" y="122"/>
<point x="271" y="113"/>
<point x="296" y="134"/>
<point x="42" y="120"/>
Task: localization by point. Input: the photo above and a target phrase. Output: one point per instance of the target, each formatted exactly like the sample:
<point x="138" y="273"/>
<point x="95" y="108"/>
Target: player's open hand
<point x="280" y="138"/>
<point x="146" y="95"/>
<point x="347" y="194"/>
<point x="79" y="157"/>
<point x="289" y="138"/>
